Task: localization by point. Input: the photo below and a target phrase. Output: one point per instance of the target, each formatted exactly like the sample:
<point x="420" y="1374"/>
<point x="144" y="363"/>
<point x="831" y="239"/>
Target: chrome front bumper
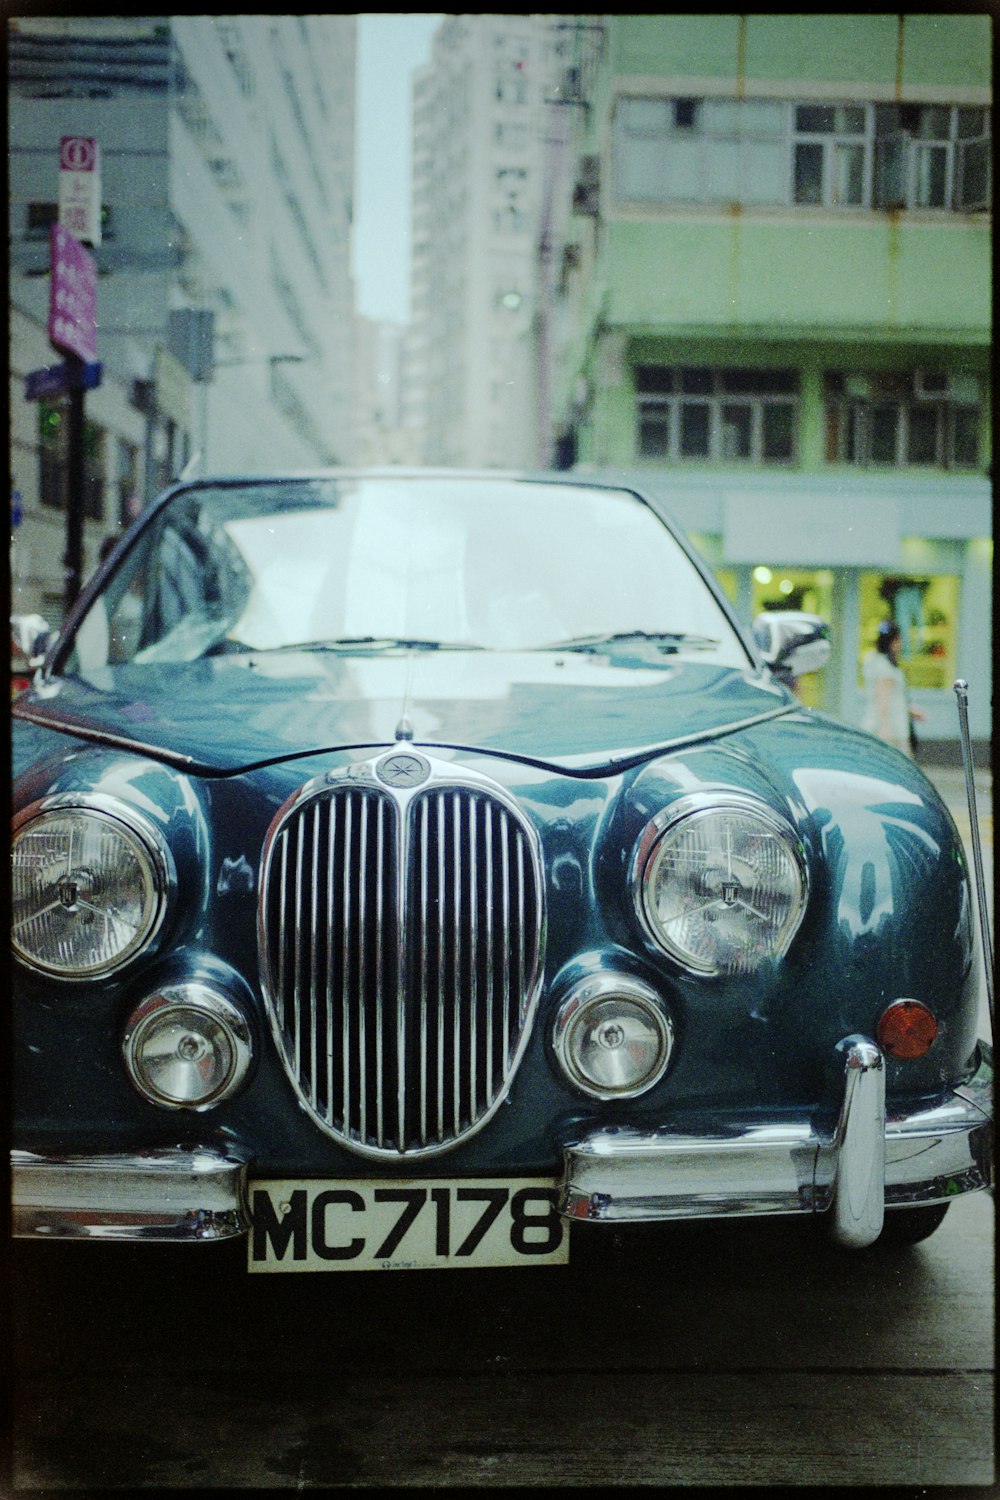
<point x="853" y="1166"/>
<point x="171" y="1194"/>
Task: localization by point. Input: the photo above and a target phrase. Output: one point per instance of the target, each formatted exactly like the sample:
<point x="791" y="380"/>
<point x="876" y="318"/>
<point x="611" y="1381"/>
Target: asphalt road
<point x="748" y="1354"/>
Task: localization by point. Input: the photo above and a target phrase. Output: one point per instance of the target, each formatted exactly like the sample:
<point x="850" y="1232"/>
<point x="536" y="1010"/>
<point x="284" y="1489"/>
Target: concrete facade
<point x="227" y="149"/>
<point x="769" y="300"/>
<point x="479" y="112"/>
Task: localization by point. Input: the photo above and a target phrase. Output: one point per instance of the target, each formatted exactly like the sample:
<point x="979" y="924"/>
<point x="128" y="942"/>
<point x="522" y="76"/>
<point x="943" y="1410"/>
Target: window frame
<point x="849" y="418"/>
<point x="664" y="410"/>
<point x="881" y="134"/>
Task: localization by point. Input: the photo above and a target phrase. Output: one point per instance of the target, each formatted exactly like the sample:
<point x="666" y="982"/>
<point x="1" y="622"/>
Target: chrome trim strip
<point x="722" y="1165"/>
<point x="345" y="955"/>
<point x="488" y="866"/>
<point x="615" y="761"/>
<point x="118" y="741"/>
<point x="170" y="1194"/>
<point x="441" y="966"/>
<point x="422" y="967"/>
<point x="456" y="805"/>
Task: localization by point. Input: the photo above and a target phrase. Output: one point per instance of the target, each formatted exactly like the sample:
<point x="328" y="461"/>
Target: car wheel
<point x="908" y="1226"/>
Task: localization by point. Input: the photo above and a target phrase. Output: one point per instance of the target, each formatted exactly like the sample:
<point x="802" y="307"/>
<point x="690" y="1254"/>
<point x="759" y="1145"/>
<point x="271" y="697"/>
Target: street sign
<point x="58" y="380"/>
<point x="72" y="296"/>
<point x="80" y="187"/>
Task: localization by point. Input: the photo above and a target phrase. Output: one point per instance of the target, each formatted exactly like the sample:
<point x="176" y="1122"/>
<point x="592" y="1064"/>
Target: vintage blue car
<point x="411" y="867"/>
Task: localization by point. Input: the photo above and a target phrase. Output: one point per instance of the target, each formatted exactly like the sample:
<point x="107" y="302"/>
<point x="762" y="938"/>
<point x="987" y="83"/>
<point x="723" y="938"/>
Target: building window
<point x="926" y="418"/>
<point x="53" y="461"/>
<point x="829" y="155"/>
<point x="765" y="151"/>
<point x="127" y="481"/>
<point x="730" y="416"/>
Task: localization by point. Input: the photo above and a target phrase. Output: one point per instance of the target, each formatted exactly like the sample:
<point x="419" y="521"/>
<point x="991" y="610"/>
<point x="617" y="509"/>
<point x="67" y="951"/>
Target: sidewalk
<point x="950" y="782"/>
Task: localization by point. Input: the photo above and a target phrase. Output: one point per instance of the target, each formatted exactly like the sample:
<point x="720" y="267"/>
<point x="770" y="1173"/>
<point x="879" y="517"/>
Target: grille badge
<point x="403" y="769"/>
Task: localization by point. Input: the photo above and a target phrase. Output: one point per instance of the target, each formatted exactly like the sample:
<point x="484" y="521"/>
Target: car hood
<point x="571" y="711"/>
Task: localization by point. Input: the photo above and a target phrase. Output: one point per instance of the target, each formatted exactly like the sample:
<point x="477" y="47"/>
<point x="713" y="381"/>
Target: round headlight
<point x="89" y="886"/>
<point x="613" y="1036"/>
<point x="187" y="1047"/>
<point x="720" y="884"/>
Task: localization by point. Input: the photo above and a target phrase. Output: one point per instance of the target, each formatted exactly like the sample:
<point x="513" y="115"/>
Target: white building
<point x="224" y="295"/>
<point x="479" y="120"/>
<point x="380" y="436"/>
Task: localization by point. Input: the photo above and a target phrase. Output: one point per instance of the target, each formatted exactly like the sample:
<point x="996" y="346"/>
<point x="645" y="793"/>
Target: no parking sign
<point x="80" y="187"/>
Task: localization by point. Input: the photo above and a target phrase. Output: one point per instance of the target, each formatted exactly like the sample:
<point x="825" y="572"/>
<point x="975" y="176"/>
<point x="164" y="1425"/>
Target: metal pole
<point x="962" y="694"/>
<point x="74" y="484"/>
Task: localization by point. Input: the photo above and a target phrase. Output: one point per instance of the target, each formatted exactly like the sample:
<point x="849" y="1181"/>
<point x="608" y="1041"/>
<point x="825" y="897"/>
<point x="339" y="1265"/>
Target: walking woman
<point x="887" y="709"/>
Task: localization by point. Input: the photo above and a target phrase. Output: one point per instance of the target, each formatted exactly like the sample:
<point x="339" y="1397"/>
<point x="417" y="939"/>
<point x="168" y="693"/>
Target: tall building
<point x="225" y="306"/>
<point x="766" y="293"/>
<point x="380" y="437"/>
<point x="479" y="113"/>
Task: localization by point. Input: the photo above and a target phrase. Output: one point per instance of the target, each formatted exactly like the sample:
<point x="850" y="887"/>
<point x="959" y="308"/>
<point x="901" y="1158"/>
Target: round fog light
<point x="613" y="1037"/>
<point x="906" y="1029"/>
<point x="186" y="1047"/>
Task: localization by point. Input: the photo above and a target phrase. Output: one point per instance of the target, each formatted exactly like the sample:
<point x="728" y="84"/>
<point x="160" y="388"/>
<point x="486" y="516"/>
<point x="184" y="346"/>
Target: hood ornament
<point x="404" y="729"/>
<point x="403" y="768"/>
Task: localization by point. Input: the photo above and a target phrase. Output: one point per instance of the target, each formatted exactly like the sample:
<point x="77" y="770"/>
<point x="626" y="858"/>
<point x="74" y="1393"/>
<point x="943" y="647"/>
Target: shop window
<point x="809" y="589"/>
<point x="925" y="607"/>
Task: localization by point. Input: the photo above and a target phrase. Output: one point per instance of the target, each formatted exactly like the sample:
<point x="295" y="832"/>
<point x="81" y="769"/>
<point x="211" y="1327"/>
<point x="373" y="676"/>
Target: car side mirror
<point x="30" y="635"/>
<point x="792" y="642"/>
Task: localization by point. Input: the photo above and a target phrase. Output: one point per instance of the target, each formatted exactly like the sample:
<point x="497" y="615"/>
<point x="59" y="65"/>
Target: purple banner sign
<point x="72" y="296"/>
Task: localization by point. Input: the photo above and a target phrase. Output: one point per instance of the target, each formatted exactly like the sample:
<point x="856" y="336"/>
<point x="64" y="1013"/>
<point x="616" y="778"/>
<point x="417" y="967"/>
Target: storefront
<point x="857" y="551"/>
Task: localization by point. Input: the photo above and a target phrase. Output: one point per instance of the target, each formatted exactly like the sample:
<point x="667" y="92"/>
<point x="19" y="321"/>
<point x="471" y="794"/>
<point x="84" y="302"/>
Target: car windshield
<point x="378" y="563"/>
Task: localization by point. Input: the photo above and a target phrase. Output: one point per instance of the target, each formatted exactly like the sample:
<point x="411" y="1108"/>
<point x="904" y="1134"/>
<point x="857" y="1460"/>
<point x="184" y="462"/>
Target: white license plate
<point x="403" y="1225"/>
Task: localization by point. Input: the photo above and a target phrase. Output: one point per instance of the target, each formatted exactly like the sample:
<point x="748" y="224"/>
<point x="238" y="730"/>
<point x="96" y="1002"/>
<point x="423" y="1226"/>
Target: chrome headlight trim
<point x="582" y="999"/>
<point x="149" y="845"/>
<point x="689" y="809"/>
<point x="203" y="1001"/>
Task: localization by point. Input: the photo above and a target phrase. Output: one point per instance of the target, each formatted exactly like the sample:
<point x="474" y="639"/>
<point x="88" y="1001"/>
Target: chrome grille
<point x="401" y="936"/>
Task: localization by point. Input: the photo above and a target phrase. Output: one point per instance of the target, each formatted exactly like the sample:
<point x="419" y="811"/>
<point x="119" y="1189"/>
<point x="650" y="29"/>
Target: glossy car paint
<point x="888" y="914"/>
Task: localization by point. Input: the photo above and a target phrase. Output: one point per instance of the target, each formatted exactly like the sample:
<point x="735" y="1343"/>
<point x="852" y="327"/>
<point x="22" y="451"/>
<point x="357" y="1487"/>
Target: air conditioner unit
<point x="942" y="385"/>
<point x="571" y="87"/>
<point x="930" y="385"/>
<point x="586" y="190"/>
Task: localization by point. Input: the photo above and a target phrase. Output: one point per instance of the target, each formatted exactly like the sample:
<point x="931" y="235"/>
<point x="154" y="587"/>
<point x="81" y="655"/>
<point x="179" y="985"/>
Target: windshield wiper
<point x="376" y="643"/>
<point x="666" y="640"/>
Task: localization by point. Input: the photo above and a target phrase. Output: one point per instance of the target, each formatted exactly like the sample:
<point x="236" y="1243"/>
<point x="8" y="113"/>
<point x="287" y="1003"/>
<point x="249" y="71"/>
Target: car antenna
<point x="962" y="694"/>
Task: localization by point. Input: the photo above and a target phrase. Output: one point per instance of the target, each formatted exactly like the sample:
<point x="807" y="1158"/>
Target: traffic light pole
<point x="75" y="483"/>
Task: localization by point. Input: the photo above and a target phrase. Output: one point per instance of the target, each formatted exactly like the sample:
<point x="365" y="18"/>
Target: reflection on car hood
<point x="564" y="710"/>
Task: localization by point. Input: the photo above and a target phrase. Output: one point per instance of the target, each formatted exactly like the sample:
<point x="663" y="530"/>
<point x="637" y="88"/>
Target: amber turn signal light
<point x="906" y="1029"/>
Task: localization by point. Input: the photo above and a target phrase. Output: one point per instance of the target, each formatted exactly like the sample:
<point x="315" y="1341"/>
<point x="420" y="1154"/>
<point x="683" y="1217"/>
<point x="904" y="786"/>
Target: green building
<point x="769" y="303"/>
